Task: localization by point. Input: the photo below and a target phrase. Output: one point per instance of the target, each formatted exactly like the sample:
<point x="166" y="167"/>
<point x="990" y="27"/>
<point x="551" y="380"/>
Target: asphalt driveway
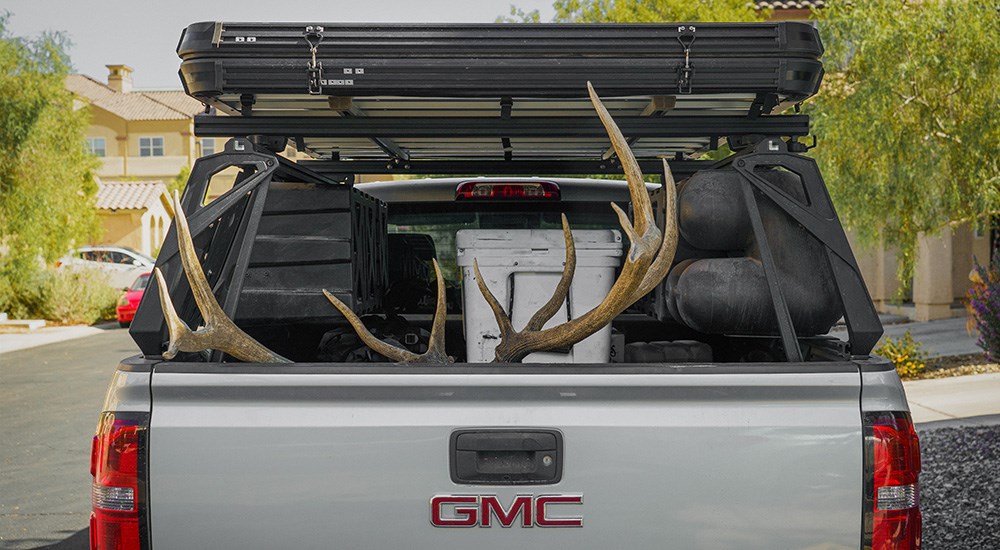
<point x="50" y="397"/>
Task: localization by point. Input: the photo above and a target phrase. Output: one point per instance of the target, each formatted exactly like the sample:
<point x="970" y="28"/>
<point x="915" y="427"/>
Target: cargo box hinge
<point x="685" y="35"/>
<point x="314" y="35"/>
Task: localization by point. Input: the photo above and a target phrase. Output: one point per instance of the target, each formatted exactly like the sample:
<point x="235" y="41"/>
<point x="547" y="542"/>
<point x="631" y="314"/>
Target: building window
<point x="979" y="228"/>
<point x="97" y="146"/>
<point x="151" y="147"/>
<point x="207" y="146"/>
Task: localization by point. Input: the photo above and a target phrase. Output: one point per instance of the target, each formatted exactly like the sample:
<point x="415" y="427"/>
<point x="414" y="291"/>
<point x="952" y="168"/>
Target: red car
<point x="129" y="301"/>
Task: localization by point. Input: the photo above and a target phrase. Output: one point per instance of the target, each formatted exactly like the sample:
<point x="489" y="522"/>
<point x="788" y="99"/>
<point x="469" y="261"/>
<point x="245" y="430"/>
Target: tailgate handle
<point x="506" y="457"/>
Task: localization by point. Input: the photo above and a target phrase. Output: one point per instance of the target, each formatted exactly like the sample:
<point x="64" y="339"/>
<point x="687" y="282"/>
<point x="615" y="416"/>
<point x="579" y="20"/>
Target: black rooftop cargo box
<point x="225" y="60"/>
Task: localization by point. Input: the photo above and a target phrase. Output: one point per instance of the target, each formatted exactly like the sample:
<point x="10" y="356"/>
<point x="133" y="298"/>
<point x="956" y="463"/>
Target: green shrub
<point x="905" y="354"/>
<point x="20" y="288"/>
<point x="75" y="296"/>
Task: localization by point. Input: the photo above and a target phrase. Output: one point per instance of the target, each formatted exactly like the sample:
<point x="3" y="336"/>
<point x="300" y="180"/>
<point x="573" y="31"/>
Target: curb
<point x="972" y="421"/>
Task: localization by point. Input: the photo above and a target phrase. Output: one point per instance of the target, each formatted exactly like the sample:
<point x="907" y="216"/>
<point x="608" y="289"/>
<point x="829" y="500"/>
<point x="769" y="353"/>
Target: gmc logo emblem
<point x="484" y="510"/>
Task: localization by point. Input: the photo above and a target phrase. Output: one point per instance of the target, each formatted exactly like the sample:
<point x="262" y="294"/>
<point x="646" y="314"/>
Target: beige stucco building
<point x="138" y="134"/>
<point x="143" y="140"/>
<point x="941" y="278"/>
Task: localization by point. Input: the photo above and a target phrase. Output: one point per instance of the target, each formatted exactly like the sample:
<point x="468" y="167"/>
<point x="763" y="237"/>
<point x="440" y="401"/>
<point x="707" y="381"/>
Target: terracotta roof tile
<point x="128" y="195"/>
<point x="176" y="100"/>
<point x="130" y="106"/>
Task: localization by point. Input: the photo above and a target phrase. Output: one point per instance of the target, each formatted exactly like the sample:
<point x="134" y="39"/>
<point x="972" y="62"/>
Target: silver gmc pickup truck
<point x="503" y="361"/>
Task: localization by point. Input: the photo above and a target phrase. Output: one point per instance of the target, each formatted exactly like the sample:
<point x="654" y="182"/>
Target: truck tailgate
<point x="740" y="456"/>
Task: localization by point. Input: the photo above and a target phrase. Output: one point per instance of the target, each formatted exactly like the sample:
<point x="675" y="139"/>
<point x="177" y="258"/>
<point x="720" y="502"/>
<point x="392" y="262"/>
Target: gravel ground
<point x="960" y="487"/>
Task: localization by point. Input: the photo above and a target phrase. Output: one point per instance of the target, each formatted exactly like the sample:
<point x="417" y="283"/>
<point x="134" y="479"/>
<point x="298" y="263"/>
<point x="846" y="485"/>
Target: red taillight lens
<point x="895" y="494"/>
<point x="527" y="190"/>
<point x="114" y="463"/>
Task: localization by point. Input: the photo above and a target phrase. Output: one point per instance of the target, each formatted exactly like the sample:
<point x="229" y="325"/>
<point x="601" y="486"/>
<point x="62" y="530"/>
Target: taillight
<point x="892" y="493"/>
<point x="508" y="190"/>
<point x="117" y="463"/>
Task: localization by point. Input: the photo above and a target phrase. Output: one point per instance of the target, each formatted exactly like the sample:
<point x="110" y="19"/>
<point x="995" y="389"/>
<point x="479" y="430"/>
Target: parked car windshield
<point x="141" y="282"/>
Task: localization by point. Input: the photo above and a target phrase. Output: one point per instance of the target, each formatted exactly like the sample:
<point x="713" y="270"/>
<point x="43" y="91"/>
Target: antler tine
<point x="668" y="246"/>
<point x="177" y="328"/>
<point x="641" y="204"/>
<point x="648" y="260"/>
<point x="435" y="348"/>
<point x="550" y="308"/>
<point x="219" y="332"/>
<point x="503" y="321"/>
<point x="380" y="347"/>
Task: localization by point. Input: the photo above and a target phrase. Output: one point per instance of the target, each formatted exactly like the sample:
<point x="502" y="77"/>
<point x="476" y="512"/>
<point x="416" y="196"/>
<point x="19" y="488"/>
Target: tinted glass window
<point x="441" y="221"/>
<point x="97" y="146"/>
<point x="151" y="147"/>
<point x="140" y="283"/>
<point x="117" y="258"/>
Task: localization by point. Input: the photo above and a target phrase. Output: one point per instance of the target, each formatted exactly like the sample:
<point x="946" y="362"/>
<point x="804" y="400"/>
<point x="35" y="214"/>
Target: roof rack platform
<point x="390" y="93"/>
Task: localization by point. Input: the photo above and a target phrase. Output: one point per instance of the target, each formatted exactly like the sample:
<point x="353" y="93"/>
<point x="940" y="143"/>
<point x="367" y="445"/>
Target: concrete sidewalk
<point x="950" y="398"/>
<point x="15" y="341"/>
<point x="943" y="338"/>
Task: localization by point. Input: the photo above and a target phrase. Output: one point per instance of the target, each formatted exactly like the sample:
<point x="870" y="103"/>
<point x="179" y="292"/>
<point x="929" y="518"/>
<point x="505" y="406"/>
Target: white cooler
<point x="522" y="268"/>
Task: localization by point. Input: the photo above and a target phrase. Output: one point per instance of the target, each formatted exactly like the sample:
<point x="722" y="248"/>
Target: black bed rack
<point x="511" y="99"/>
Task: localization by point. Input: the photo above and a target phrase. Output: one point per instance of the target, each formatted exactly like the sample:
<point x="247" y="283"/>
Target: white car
<point x="121" y="265"/>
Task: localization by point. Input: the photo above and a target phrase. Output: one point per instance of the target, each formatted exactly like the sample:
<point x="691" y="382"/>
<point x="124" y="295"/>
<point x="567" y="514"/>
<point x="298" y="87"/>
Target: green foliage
<point x="642" y="11"/>
<point x="518" y="15"/>
<point x="66" y="296"/>
<point x="654" y="11"/>
<point x="909" y="116"/>
<point x="46" y="182"/>
<point x="905" y="353"/>
<point x="69" y="296"/>
<point x="180" y="180"/>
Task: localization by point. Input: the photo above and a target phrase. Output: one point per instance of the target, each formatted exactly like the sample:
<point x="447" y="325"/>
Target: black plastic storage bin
<point x="313" y="237"/>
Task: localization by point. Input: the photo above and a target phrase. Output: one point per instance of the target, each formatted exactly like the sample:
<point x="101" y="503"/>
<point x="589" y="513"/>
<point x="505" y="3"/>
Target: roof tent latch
<point x="314" y="35"/>
<point x="685" y="35"/>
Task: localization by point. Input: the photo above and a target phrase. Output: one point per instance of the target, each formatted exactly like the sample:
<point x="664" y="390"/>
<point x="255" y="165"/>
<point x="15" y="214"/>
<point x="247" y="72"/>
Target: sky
<point x="143" y="34"/>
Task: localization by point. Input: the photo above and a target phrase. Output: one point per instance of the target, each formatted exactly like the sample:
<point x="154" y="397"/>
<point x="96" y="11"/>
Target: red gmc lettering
<point x="520" y="507"/>
<point x="541" y="514"/>
<point x="481" y="510"/>
<point x="470" y="512"/>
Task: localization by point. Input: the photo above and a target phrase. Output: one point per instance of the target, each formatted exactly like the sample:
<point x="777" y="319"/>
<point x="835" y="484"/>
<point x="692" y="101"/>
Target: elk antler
<point x="648" y="262"/>
<point x="219" y="332"/>
<point x="435" y="348"/>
